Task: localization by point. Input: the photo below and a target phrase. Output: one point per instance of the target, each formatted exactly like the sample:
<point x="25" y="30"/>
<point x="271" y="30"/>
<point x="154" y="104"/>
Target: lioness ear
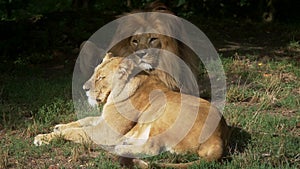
<point x="107" y="56"/>
<point x="125" y="69"/>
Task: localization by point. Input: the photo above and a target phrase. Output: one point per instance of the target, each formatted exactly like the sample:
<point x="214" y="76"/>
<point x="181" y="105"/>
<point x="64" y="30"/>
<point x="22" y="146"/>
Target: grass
<point x="263" y="101"/>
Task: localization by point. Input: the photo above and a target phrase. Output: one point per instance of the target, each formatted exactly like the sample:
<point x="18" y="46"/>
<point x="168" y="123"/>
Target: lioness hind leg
<point x="136" y="151"/>
<point x="211" y="150"/>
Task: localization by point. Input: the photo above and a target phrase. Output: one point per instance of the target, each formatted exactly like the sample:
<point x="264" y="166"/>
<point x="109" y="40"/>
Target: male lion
<point x="142" y="116"/>
<point x="159" y="28"/>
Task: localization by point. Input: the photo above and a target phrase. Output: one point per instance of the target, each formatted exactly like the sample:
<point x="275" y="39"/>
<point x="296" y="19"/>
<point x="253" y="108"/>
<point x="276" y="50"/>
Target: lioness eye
<point x="100" y="78"/>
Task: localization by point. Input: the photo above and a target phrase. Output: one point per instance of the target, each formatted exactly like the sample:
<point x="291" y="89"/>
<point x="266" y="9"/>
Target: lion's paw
<point x="122" y="150"/>
<point x="40" y="139"/>
<point x="140" y="163"/>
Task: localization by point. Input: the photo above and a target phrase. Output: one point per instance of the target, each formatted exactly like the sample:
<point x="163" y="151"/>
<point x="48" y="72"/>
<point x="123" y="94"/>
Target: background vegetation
<point x="32" y="27"/>
<point x="258" y="42"/>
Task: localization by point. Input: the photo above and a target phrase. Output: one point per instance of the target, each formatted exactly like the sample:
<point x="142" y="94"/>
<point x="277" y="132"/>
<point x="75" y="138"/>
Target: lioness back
<point x="173" y="121"/>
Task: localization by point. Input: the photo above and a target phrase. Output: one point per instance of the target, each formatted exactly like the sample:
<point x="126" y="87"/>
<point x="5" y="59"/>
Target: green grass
<point x="263" y="103"/>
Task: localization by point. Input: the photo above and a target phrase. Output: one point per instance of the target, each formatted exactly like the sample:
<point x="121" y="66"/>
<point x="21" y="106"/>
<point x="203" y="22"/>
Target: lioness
<point x="142" y="116"/>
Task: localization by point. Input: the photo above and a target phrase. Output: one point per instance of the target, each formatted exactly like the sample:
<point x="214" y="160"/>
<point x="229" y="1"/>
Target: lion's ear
<point x="125" y="69"/>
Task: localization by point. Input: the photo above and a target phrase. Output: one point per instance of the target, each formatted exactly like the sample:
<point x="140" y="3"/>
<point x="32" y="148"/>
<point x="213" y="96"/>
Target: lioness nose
<point x="86" y="87"/>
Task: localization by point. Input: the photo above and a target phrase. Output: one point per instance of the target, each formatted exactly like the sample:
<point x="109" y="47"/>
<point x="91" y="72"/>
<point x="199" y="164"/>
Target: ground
<point x="261" y="62"/>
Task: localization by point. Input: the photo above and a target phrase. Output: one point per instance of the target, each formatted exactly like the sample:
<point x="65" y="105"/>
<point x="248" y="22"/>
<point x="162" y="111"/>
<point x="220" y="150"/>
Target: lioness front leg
<point x="97" y="131"/>
<point x="85" y="122"/>
<point x="41" y="139"/>
<point x="77" y="135"/>
<point x="74" y="131"/>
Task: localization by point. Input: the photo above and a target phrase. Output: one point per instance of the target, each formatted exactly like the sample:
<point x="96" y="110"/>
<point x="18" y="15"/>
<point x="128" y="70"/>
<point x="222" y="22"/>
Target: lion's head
<point x="140" y="44"/>
<point x="141" y="38"/>
<point x="140" y="33"/>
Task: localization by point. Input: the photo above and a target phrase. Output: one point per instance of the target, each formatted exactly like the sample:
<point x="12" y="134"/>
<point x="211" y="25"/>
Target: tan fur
<point x="108" y="84"/>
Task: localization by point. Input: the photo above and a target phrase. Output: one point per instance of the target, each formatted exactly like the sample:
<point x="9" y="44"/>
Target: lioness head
<point x="111" y="74"/>
<point x="99" y="86"/>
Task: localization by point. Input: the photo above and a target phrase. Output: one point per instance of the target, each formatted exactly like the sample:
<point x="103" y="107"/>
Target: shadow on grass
<point x="28" y="90"/>
<point x="238" y="142"/>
